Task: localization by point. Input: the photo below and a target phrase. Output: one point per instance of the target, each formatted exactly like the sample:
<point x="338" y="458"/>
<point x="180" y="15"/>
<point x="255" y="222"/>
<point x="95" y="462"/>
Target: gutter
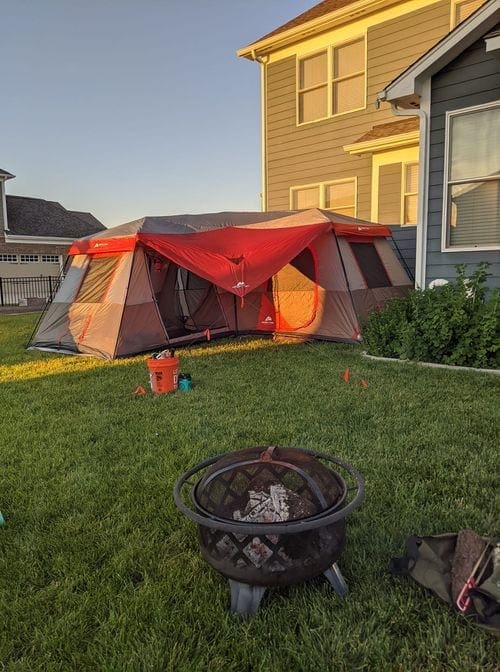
<point x="312" y="27"/>
<point x="423" y="112"/>
<point x="263" y="60"/>
<point x="37" y="240"/>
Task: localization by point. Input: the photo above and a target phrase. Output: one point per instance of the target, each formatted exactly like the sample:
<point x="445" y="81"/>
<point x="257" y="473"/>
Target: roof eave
<point x="396" y="141"/>
<point x="406" y="89"/>
<point x="304" y="30"/>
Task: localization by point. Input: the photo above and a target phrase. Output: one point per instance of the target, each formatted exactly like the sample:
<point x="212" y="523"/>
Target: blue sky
<point x="127" y="108"/>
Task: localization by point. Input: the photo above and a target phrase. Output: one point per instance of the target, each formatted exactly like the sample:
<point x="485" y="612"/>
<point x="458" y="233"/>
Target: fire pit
<point x="271" y="516"/>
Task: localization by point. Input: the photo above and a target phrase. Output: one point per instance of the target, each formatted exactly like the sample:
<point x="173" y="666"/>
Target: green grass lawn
<point x="99" y="571"/>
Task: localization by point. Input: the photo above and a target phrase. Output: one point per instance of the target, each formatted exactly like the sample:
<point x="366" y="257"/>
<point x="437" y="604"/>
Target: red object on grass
<point x="346" y="375"/>
<point x="363" y="382"/>
<point x="139" y="390"/>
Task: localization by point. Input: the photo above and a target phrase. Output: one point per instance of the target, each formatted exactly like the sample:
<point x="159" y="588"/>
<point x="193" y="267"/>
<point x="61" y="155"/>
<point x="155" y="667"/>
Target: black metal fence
<point x="34" y="291"/>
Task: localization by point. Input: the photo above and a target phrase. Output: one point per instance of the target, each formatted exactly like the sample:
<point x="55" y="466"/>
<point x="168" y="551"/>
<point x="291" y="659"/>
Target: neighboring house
<point x="35" y="234"/>
<point x="325" y="141"/>
<point x="455" y="88"/>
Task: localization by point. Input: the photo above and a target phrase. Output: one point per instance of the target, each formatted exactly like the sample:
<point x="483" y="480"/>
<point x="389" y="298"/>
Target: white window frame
<point x="445" y="246"/>
<point x="35" y="260"/>
<point x="322" y="192"/>
<point x="299" y="91"/>
<point x="10" y="258"/>
<point x="404" y="193"/>
<point x="405" y="155"/>
<point x="330" y="80"/>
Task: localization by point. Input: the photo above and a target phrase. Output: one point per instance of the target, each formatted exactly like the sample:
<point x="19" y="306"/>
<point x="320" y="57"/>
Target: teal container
<point x="2" y="521"/>
<point x="185" y="382"/>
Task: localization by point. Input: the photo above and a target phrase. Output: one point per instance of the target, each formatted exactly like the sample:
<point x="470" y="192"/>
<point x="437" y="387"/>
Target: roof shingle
<point x="315" y="12"/>
<point x="406" y="125"/>
<point x="36" y="217"/>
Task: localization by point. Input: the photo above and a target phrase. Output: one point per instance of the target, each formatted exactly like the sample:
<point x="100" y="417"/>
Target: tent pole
<point x="403" y="260"/>
<point x="235" y="307"/>
<point x="346" y="276"/>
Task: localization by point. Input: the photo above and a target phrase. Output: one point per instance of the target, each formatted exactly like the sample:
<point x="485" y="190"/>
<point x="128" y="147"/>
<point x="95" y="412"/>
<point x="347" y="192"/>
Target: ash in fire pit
<point x="275" y="506"/>
<point x="270" y="517"/>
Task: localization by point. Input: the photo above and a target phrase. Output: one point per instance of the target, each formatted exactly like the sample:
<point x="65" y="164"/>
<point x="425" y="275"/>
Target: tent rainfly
<point x="162" y="281"/>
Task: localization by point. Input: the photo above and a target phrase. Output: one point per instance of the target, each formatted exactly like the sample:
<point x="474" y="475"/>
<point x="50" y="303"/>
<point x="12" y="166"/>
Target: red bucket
<point x="163" y="374"/>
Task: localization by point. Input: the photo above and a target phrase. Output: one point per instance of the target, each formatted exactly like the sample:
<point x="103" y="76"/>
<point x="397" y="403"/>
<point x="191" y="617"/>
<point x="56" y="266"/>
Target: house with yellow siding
<point x="327" y="140"/>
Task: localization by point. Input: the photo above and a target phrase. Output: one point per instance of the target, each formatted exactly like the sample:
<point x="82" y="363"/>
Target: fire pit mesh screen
<point x="271" y="516"/>
<point x="286" y="486"/>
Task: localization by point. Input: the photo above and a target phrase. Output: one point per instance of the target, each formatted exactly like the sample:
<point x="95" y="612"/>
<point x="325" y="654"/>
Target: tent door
<point x="295" y="292"/>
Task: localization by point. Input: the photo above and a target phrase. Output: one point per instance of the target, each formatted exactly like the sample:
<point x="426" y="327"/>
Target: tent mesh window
<point x="370" y="265"/>
<point x="304" y="263"/>
<point x="97" y="279"/>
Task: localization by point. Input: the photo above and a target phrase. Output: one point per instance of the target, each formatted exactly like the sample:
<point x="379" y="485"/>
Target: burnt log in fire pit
<point x="270" y="516"/>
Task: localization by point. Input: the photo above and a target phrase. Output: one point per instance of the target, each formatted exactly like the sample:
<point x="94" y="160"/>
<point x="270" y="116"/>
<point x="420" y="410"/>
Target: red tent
<point x="167" y="280"/>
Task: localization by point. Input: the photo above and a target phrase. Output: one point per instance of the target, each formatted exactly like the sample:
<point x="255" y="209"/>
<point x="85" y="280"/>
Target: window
<point x="306" y="198"/>
<point x="471" y="217"/>
<point x="395" y="177"/>
<point x="370" y="265"/>
<point x="462" y="9"/>
<point x="331" y="82"/>
<point x="11" y="258"/>
<point x="348" y="90"/>
<point x="97" y="279"/>
<point x="313" y="87"/>
<point x="410" y="192"/>
<point x="50" y="258"/>
<point x="28" y="258"/>
<point x="339" y="196"/>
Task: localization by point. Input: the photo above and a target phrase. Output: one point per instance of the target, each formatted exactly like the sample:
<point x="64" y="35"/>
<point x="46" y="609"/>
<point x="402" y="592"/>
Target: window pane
<point x="411" y="186"/>
<point x="313" y="105"/>
<point x="475" y="144"/>
<point x="370" y="265"/>
<point x="349" y="94"/>
<point x="339" y="195"/>
<point x="475" y="213"/>
<point x="349" y="58"/>
<point x="411" y="209"/>
<point x="97" y="278"/>
<point x="303" y="199"/>
<point x="465" y="9"/>
<point x="313" y="71"/>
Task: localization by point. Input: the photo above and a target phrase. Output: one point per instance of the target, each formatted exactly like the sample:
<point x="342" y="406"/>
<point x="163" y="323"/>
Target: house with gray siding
<point x="454" y="89"/>
<point x="326" y="142"/>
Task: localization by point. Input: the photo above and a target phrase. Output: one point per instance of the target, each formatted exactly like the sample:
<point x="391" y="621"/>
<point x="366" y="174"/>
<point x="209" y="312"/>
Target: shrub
<point x="452" y="324"/>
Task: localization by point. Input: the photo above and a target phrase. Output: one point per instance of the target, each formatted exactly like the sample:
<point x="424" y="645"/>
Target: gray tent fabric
<point x="136" y="299"/>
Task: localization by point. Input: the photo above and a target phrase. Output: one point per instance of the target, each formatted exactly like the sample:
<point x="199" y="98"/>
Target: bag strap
<point x="404" y="565"/>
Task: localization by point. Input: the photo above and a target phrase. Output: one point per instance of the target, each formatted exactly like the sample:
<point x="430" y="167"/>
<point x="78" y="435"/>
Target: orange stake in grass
<point x="363" y="383"/>
<point x="346" y="375"/>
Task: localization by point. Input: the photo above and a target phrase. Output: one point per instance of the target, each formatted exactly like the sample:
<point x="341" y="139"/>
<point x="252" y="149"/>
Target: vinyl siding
<point x="311" y="153"/>
<point x="471" y="79"/>
<point x="389" y="194"/>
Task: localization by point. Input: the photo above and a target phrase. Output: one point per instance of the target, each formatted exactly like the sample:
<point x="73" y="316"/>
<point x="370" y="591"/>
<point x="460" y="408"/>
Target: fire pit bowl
<point x="270" y="516"/>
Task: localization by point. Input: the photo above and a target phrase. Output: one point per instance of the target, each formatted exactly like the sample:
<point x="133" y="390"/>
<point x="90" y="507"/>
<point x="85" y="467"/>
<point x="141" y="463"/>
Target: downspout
<point x="423" y="112"/>
<point x="263" y="61"/>
<point x="3" y="206"/>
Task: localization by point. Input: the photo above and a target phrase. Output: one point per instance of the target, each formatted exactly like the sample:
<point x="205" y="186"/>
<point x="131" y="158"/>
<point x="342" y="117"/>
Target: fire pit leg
<point x="245" y="599"/>
<point x="334" y="576"/>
